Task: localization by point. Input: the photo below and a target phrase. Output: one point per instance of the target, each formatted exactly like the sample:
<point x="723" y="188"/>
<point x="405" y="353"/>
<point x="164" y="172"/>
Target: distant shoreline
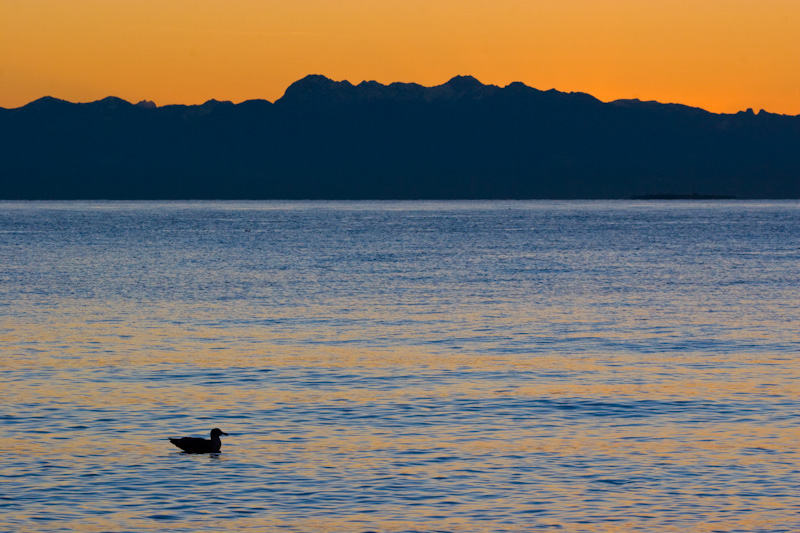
<point x="693" y="196"/>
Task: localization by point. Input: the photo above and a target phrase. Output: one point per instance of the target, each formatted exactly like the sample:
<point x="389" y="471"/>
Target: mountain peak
<point x="465" y="87"/>
<point x="214" y="103"/>
<point x="109" y="103"/>
<point x="464" y="82"/>
<point x="316" y="82"/>
<point x="316" y="89"/>
<point x="47" y="102"/>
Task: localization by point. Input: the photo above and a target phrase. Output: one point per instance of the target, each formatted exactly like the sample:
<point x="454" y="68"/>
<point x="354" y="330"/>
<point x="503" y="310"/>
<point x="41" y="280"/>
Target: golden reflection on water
<point x="95" y="364"/>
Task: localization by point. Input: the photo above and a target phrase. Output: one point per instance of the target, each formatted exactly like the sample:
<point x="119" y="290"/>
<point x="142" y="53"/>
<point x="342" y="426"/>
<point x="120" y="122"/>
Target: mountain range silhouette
<point x="334" y="140"/>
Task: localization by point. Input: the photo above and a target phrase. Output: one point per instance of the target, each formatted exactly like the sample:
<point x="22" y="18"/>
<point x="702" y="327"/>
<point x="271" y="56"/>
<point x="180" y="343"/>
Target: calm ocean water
<point x="409" y="366"/>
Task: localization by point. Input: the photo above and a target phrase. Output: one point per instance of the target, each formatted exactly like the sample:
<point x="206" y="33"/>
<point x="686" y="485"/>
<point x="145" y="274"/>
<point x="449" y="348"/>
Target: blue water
<point x="401" y="366"/>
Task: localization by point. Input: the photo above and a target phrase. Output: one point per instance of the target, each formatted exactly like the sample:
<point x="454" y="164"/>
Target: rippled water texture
<point x="579" y="366"/>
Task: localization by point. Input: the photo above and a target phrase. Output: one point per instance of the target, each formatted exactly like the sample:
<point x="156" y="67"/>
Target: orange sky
<point x="723" y="55"/>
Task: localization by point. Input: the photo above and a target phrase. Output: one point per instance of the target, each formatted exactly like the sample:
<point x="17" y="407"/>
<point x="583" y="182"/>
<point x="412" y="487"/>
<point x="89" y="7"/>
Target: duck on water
<point x="197" y="445"/>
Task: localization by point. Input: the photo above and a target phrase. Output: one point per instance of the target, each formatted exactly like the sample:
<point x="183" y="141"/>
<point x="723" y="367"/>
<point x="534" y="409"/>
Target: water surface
<point x="408" y="366"/>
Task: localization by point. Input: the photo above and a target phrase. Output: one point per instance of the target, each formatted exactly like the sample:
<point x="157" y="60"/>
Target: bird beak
<point x="223" y="433"/>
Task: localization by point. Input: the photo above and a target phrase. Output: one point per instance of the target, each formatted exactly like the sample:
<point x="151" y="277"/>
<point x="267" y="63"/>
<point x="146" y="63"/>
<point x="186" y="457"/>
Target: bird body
<point x="197" y="445"/>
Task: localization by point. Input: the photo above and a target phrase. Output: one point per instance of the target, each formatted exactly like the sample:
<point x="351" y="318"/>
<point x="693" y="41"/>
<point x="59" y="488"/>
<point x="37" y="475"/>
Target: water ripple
<point x="507" y="366"/>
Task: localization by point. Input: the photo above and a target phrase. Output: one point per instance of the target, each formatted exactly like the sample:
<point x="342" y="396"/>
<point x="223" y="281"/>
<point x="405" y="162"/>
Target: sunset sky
<point x="722" y="55"/>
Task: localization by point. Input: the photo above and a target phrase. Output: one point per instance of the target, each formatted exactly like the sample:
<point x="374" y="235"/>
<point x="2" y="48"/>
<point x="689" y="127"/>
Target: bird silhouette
<point x="197" y="445"/>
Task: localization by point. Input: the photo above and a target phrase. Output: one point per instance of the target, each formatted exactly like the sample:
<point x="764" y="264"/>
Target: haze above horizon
<point x="723" y="56"/>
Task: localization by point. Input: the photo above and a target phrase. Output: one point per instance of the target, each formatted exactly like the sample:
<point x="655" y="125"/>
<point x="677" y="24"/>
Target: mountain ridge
<point x="331" y="139"/>
<point x="396" y="89"/>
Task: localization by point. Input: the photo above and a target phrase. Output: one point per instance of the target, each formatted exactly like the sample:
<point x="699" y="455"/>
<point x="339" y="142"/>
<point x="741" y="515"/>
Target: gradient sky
<point x="722" y="55"/>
